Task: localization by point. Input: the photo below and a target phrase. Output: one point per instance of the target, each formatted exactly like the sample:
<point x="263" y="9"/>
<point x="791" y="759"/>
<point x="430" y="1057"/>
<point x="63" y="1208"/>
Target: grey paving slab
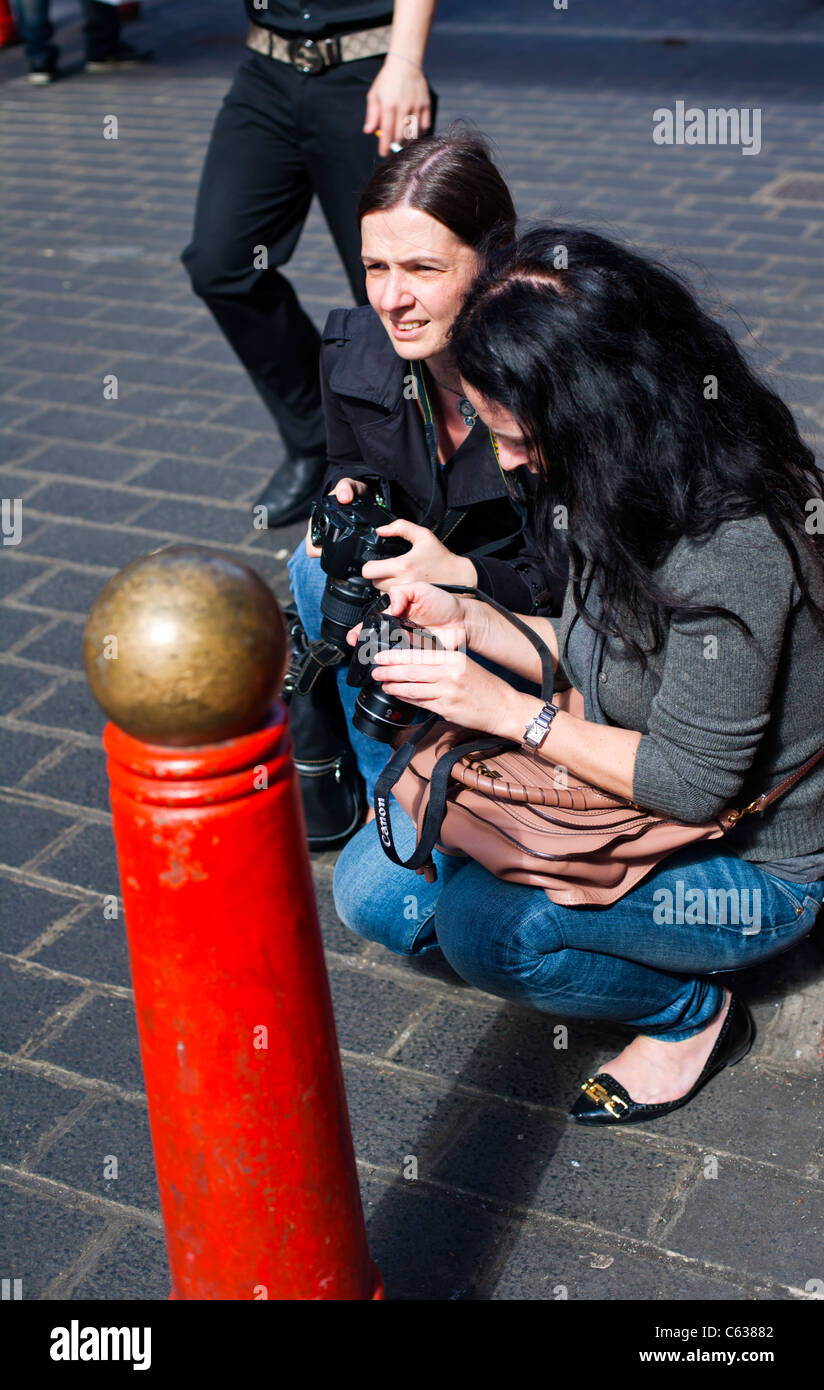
<point x="151" y="371"/>
<point x="94" y="544"/>
<point x="78" y="777"/>
<point x="369" y="1012"/>
<point x="544" y="1263"/>
<point x="29" y="999"/>
<point x="67" y="590"/>
<point x="557" y="1167"/>
<point x="31" y="1106"/>
<point x="199" y="521"/>
<point x="171" y="405"/>
<point x="100" y="1042"/>
<point x="87" y="426"/>
<point x="94" y="947"/>
<point x="20" y="751"/>
<point x="266" y="453"/>
<point x="27" y="830"/>
<point x="396" y="1117"/>
<point x="15" y="572"/>
<point x="16" y="624"/>
<point x="26" y="912"/>
<point x="48" y="1237"/>
<point x="88" y="861"/>
<point x="86" y="502"/>
<point x="741" y="1218"/>
<point x="59" y="646"/>
<point x="246" y="414"/>
<point x="200" y="480"/>
<point x="17" y="685"/>
<point x="431" y="1244"/>
<point x="71" y="706"/>
<point x="15" y="447"/>
<point x="81" y="1156"/>
<point x="135" y="1268"/>
<point x="84" y="461"/>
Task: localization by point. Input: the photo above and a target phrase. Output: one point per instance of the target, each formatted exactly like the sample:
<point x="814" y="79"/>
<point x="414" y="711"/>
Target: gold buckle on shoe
<point x="601" y="1096"/>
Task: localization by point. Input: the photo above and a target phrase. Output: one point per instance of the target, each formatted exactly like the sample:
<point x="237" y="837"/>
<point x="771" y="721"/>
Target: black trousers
<point x="280" y="137"/>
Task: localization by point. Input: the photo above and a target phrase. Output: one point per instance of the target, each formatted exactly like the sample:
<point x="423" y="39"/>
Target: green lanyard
<point x="429" y="425"/>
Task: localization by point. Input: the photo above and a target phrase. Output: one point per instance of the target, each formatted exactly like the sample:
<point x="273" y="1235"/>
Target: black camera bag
<point x="332" y="788"/>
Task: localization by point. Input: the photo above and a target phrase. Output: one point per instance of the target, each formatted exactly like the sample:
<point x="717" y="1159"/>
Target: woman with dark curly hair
<point x="693" y="626"/>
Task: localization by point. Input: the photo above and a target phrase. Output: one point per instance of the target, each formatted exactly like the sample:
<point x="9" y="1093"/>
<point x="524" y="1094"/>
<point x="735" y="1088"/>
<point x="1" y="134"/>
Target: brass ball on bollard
<point x="186" y="646"/>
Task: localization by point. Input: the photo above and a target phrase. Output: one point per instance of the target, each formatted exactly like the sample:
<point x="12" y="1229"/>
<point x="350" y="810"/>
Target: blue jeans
<point x="643" y="961"/>
<point x="308" y="581"/>
<point x="101" y="28"/>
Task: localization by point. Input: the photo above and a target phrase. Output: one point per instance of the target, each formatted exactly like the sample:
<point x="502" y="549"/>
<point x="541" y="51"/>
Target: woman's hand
<point x="346" y="490"/>
<point x="446" y="615"/>
<point x="444" y="682"/>
<point x="452" y="685"/>
<point x="428" y="560"/>
<point x="397" y="104"/>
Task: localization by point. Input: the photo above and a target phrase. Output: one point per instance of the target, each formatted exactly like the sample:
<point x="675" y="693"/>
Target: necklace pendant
<point x="468" y="412"/>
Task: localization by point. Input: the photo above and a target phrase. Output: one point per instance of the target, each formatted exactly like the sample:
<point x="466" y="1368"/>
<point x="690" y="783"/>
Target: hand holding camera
<point x="346" y="490"/>
<point x="432" y="671"/>
<point x="427" y="559"/>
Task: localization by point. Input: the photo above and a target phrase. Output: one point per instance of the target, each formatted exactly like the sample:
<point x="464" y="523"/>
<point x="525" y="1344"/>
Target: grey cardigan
<point x="724" y="717"/>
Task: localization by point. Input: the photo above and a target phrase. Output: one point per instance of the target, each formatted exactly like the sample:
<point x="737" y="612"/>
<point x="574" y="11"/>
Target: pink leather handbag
<point x="525" y="820"/>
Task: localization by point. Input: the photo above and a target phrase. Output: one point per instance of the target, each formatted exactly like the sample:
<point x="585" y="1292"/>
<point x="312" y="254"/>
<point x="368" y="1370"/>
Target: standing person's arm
<point x="397" y="103"/>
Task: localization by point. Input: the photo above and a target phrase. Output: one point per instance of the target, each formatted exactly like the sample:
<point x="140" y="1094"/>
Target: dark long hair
<point x="451" y="177"/>
<point x="606" y="361"/>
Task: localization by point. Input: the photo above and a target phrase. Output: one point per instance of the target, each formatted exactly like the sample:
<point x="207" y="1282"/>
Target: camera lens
<point x="342" y="606"/>
<point x="380" y="717"/>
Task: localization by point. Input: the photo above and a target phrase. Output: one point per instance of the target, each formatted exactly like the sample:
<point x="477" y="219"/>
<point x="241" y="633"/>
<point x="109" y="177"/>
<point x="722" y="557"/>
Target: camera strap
<point x="318" y="657"/>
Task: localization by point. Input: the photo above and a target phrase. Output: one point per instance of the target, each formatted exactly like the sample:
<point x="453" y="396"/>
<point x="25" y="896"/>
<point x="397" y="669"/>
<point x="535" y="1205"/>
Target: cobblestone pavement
<point x="511" y="1202"/>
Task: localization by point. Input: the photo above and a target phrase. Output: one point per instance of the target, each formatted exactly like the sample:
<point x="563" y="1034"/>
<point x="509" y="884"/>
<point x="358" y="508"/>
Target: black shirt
<point x="312" y="19"/>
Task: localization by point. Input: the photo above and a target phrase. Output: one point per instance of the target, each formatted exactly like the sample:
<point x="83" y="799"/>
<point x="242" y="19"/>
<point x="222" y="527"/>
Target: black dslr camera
<point x="377" y="714"/>
<point x="346" y="533"/>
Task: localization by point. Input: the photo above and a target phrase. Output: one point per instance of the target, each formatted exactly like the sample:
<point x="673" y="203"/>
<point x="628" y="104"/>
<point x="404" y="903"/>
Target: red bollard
<point x="250" y="1129"/>
<point x="8" y="28"/>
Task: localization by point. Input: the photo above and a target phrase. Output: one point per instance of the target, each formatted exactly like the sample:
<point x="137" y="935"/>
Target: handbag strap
<point x="547" y="664"/>
<point x="421" y="857"/>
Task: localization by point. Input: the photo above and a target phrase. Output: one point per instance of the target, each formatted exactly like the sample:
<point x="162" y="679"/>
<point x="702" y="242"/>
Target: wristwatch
<point x="538" y="728"/>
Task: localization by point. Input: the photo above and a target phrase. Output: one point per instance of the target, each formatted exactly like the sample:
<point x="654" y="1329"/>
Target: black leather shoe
<point x="606" y="1102"/>
<point x="290" y="492"/>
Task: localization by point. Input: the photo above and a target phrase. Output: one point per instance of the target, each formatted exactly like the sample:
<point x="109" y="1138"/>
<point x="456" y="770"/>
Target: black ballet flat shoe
<point x="606" y="1102"/>
<point x="290" y="492"/>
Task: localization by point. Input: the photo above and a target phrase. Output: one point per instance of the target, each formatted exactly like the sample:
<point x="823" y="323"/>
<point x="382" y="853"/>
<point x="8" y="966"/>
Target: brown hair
<point x="450" y="177"/>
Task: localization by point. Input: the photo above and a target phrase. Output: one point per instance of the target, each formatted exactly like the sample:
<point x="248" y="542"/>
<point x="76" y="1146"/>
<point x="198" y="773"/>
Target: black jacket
<point x="374" y="429"/>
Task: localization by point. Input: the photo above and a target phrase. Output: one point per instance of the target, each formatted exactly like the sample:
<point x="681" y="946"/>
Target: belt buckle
<point x="313" y="55"/>
<point x="305" y="56"/>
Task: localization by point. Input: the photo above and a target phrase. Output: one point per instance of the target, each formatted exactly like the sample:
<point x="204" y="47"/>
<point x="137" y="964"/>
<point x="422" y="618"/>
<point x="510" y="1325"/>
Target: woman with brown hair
<point x="396" y="418"/>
